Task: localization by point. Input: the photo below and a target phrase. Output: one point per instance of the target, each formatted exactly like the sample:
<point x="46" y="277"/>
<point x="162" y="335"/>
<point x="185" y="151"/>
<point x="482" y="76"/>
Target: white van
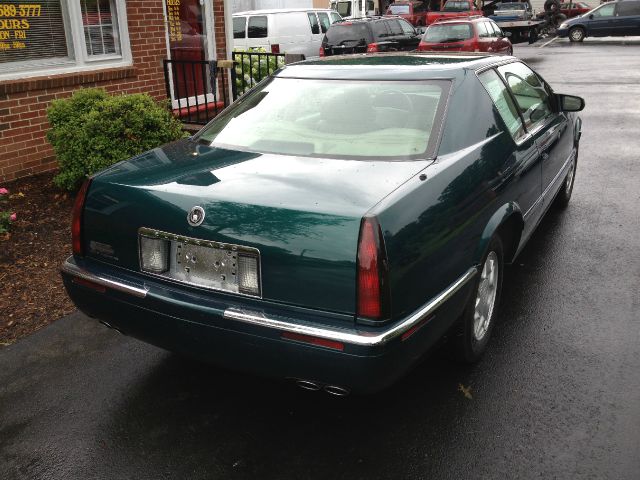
<point x="283" y="30"/>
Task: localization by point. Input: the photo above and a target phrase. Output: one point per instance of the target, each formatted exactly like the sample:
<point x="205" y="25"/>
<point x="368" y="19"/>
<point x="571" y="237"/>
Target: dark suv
<point x="373" y="34"/>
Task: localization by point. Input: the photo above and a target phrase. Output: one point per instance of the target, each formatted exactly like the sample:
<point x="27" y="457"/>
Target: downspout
<point x="228" y="37"/>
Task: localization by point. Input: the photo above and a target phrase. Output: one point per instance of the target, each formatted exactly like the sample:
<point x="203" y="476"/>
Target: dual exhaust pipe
<point x="316" y="387"/>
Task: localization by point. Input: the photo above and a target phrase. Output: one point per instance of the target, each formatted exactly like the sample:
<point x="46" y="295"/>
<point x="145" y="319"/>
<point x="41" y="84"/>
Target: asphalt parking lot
<point x="557" y="396"/>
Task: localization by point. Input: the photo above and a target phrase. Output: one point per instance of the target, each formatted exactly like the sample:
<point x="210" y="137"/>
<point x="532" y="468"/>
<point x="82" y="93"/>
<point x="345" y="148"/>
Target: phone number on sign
<point x="25" y="10"/>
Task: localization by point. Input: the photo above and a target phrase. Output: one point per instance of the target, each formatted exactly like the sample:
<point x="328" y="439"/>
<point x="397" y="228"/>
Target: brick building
<point x="49" y="48"/>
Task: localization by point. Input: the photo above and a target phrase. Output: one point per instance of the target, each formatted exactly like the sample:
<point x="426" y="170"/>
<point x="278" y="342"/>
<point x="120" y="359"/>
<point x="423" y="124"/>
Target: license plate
<point x="208" y="264"/>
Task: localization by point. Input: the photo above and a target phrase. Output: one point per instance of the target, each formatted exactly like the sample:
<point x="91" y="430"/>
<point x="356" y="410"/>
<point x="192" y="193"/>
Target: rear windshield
<point x="399" y="9"/>
<point x="382" y="120"/>
<point x="348" y="34"/>
<point x="456" y="7"/>
<point x="448" y="33"/>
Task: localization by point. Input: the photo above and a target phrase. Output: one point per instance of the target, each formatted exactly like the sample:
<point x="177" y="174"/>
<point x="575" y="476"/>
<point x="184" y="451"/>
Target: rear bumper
<point x="246" y="335"/>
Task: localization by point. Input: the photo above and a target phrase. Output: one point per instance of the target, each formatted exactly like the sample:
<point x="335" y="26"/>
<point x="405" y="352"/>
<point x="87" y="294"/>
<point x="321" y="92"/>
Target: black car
<point x="369" y="35"/>
<point x="615" y="19"/>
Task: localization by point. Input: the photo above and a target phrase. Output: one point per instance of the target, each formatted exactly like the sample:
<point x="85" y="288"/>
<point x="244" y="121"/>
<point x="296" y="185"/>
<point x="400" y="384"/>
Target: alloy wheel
<point x="486" y="297"/>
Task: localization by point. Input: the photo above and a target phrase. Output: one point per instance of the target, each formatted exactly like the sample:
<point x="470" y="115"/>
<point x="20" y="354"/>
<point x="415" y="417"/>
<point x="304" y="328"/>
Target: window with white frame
<point x="46" y="36"/>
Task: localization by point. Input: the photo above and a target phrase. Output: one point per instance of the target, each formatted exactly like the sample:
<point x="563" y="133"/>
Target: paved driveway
<point x="557" y="396"/>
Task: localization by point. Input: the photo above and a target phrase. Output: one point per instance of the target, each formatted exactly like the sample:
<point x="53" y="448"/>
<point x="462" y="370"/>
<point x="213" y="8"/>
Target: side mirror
<point x="420" y="30"/>
<point x="591" y="17"/>
<point x="506" y="34"/>
<point x="570" y="103"/>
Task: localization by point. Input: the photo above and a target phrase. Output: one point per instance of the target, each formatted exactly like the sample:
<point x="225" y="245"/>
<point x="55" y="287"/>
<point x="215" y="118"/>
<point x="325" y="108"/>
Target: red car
<point x="573" y="9"/>
<point x="413" y="12"/>
<point x="478" y="34"/>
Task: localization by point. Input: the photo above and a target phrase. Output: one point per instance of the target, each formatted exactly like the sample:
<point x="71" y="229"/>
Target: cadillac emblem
<point x="195" y="216"/>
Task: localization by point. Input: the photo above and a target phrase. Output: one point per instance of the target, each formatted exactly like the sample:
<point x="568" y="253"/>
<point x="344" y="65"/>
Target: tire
<point x="576" y="34"/>
<point x="478" y="319"/>
<point x="564" y="195"/>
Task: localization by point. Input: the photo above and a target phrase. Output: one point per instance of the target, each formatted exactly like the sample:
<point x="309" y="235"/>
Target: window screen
<point x="98" y="22"/>
<point x="257" y="27"/>
<point x="32" y="30"/>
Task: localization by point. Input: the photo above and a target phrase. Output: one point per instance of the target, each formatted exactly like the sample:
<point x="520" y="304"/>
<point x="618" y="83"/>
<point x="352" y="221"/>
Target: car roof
<point x="391" y="66"/>
<point x="282" y="10"/>
<point x="472" y="19"/>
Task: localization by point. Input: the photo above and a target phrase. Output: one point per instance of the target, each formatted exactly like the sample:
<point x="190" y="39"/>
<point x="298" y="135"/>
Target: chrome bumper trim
<point x="354" y="337"/>
<point x="72" y="269"/>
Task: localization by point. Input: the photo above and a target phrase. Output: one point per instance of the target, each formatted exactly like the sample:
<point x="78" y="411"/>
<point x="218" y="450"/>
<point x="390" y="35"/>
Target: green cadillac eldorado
<point x="333" y="224"/>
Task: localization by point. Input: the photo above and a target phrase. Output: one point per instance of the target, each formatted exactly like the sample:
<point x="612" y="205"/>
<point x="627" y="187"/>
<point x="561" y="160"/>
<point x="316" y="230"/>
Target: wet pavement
<point x="557" y="395"/>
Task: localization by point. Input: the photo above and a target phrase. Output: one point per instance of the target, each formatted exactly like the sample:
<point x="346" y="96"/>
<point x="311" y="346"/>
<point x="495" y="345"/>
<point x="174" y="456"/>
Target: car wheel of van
<point x="481" y="310"/>
<point x="564" y="195"/>
<point x="576" y="34"/>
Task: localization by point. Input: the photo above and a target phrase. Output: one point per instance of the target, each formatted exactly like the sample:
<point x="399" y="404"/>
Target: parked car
<point x="478" y="34"/>
<point x="414" y="11"/>
<point x="283" y="31"/>
<point x="574" y="9"/>
<point x="374" y="34"/>
<point x="349" y="9"/>
<point x="613" y="19"/>
<point x="454" y="9"/>
<point x="335" y="222"/>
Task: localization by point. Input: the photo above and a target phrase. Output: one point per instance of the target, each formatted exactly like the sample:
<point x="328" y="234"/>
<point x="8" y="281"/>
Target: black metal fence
<point x="198" y="89"/>
<point x="251" y="67"/>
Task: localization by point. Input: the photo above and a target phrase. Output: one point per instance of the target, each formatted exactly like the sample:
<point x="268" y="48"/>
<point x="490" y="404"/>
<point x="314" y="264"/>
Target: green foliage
<point x="251" y="69"/>
<point x="6" y="217"/>
<point x="93" y="130"/>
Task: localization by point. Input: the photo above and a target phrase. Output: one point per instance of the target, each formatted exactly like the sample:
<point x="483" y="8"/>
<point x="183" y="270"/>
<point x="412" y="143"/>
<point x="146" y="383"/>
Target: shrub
<point x="92" y="130"/>
<point x="251" y="69"/>
<point x="6" y="217"/>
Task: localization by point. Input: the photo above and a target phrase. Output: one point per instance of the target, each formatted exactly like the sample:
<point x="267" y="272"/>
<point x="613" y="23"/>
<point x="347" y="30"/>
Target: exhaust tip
<point x="308" y="385"/>
<point x="336" y="390"/>
<point x="108" y="325"/>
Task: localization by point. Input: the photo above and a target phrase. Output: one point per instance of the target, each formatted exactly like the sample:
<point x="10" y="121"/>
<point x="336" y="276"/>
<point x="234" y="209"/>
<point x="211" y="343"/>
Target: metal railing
<point x="198" y="89"/>
<point x="251" y="67"/>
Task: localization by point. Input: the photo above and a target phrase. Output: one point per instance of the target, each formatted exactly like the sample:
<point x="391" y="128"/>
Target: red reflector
<point x="321" y="52"/>
<point x="415" y="328"/>
<point x="321" y="342"/>
<point x="89" y="284"/>
<point x="76" y="222"/>
<point x="372" y="48"/>
<point x="275" y="48"/>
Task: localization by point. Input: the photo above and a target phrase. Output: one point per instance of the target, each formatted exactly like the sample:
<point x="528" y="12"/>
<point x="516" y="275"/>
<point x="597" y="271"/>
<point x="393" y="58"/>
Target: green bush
<point x="250" y="72"/>
<point x="92" y="130"/>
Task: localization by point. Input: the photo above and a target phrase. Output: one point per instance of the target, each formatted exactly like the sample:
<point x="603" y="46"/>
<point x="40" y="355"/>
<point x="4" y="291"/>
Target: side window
<point x="605" y="11"/>
<point x="496" y="30"/>
<point x="335" y="17"/>
<point x="325" y="23"/>
<point x="407" y="29"/>
<point x="504" y="103"/>
<point x="379" y="30"/>
<point x="313" y="21"/>
<point x="530" y="93"/>
<point x="483" y="32"/>
<point x="394" y="26"/>
<point x="627" y="9"/>
<point x="257" y="27"/>
<point x="239" y="27"/>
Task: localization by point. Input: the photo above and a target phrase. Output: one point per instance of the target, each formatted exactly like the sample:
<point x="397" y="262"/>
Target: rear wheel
<point x="480" y="313"/>
<point x="576" y="34"/>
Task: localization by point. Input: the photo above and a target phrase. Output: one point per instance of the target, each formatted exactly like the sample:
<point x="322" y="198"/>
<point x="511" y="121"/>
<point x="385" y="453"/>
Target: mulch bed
<point x="31" y="291"/>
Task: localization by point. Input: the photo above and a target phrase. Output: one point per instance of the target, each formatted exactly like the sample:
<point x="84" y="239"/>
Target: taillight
<point x="374" y="298"/>
<point x="76" y="222"/>
<point x="321" y="52"/>
<point x="275" y="48"/>
<point x="372" y="48"/>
